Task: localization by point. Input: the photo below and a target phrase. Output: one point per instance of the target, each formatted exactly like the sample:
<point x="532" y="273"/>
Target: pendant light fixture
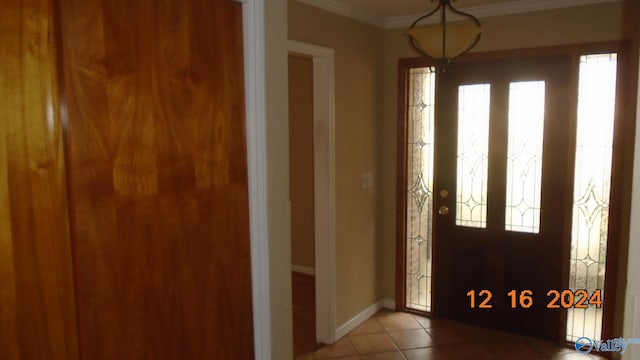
<point x="445" y="41"/>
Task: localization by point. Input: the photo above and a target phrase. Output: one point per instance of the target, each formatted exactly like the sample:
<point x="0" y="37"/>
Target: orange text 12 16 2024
<point x="524" y="299"/>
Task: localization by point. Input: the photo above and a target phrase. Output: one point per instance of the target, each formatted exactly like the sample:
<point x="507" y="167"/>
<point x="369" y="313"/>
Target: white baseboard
<point x="303" y="270"/>
<point x="355" y="321"/>
<point x="389" y="304"/>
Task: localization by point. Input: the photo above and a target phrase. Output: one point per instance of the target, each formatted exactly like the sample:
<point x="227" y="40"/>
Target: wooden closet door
<point x="155" y="137"/>
<point x="37" y="309"/>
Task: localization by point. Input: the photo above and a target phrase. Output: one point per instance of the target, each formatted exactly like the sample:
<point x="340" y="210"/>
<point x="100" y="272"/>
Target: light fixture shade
<point x="446" y="40"/>
<point x="459" y="38"/>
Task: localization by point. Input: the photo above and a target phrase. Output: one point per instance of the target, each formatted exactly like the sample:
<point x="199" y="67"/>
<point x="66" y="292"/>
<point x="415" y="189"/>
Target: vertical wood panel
<point x="8" y="323"/>
<point x="158" y="178"/>
<point x="37" y="309"/>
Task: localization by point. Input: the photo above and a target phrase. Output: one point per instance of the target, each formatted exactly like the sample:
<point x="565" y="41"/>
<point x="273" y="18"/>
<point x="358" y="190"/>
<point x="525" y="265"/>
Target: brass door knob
<point x="443" y="210"/>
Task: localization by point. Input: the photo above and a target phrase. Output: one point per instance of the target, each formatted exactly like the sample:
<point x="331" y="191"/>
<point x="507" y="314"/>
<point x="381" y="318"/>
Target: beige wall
<point x="591" y="23"/>
<point x="301" y="160"/>
<point x="278" y="178"/>
<point x="358" y="108"/>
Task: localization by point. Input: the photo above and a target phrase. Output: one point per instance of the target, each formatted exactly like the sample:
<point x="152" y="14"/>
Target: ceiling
<point x="387" y="8"/>
<point x="401" y="13"/>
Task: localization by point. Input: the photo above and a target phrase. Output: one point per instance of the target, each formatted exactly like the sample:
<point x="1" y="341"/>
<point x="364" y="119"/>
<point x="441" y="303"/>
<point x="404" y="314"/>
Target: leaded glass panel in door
<point x="419" y="197"/>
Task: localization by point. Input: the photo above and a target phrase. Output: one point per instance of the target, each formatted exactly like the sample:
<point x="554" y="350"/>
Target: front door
<point x="506" y="203"/>
<point x="502" y="197"/>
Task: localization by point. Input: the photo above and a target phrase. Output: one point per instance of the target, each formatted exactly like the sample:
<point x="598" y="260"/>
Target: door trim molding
<point x="324" y="185"/>
<point x="255" y="93"/>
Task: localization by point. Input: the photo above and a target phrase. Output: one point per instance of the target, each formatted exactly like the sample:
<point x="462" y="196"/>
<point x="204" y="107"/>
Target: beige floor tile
<point x="451" y="335"/>
<point x="373" y="343"/>
<point x="411" y="339"/>
<point x="548" y="348"/>
<point x="477" y="352"/>
<point x="369" y="326"/>
<point x="342" y="347"/>
<point x="483" y="334"/>
<point x="396" y="355"/>
<point x="431" y="353"/>
<point x="452" y="352"/>
<point x="428" y="323"/>
<point x="397" y="321"/>
<point x="425" y="322"/>
<point x="467" y="351"/>
<point x="576" y="356"/>
<point x="514" y="350"/>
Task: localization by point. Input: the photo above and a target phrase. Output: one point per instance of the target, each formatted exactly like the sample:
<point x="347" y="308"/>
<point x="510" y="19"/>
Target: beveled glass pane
<point x="524" y="156"/>
<point x="420" y="157"/>
<point x="592" y="184"/>
<point x="473" y="155"/>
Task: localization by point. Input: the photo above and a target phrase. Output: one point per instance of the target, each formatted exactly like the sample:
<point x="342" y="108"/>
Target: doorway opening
<point x="505" y="190"/>
<point x="301" y="184"/>
<point x="323" y="186"/>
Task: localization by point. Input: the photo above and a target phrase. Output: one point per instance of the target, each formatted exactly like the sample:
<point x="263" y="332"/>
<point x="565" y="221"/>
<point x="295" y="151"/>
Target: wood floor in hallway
<point x="304" y="314"/>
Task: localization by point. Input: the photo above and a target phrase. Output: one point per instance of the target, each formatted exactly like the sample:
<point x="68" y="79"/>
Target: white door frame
<point x="253" y="14"/>
<point x="255" y="94"/>
<point x="324" y="186"/>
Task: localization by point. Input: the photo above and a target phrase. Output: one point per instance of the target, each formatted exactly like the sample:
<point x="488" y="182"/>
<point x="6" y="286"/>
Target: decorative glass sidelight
<point x="524" y="157"/>
<point x="473" y="155"/>
<point x="592" y="184"/>
<point x="420" y="163"/>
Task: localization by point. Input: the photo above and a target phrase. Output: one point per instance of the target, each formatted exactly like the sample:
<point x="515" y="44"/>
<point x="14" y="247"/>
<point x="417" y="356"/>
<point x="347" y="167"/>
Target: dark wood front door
<point x="157" y="171"/>
<point x="503" y="148"/>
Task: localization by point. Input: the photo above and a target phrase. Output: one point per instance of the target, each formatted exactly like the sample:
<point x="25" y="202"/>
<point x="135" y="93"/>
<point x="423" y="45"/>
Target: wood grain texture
<point x="37" y="309"/>
<point x="158" y="178"/>
<point x="303" y="298"/>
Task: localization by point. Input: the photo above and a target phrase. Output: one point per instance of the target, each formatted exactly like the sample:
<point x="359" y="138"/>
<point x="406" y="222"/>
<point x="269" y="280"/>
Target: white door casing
<point x="324" y="185"/>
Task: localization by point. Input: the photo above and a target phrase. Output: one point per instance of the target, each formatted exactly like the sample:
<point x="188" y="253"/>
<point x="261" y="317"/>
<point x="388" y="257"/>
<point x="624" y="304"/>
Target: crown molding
<point x="484" y="11"/>
<point x="353" y="12"/>
<point x="508" y="8"/>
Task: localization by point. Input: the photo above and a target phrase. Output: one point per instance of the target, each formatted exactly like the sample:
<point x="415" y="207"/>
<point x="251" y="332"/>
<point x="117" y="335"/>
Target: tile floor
<point x="399" y="336"/>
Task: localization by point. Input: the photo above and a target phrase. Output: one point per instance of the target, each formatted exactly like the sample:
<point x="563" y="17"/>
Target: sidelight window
<point x="592" y="185"/>
<point x="419" y="202"/>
